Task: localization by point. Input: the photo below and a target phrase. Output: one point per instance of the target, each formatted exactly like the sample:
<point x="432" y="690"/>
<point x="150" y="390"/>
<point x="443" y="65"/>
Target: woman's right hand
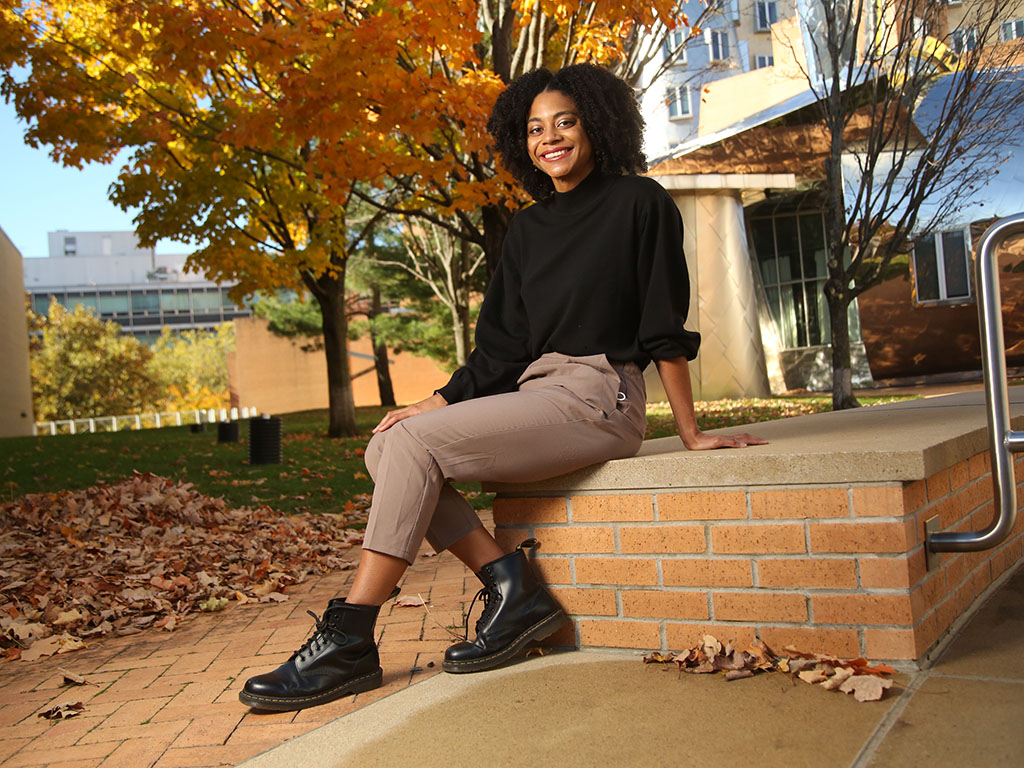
<point x="391" y="418"/>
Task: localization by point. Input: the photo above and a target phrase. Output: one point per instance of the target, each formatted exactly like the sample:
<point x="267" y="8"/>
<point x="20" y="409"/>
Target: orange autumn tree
<point x="450" y="177"/>
<point x="274" y="135"/>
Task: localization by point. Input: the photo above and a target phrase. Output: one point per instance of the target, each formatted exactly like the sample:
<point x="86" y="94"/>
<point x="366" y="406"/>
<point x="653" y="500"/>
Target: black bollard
<point x="265" y="440"/>
<point x="227" y="432"/>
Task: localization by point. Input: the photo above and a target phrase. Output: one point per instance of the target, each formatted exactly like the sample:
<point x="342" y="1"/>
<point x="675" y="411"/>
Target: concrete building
<point x="735" y="37"/>
<point x="749" y="187"/>
<point x="135" y="287"/>
<point x="16" y="417"/>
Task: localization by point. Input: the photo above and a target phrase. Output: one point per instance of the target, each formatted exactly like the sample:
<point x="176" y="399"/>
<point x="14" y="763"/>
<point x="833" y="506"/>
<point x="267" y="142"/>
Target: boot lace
<point x="319" y="639"/>
<point x="491" y="598"/>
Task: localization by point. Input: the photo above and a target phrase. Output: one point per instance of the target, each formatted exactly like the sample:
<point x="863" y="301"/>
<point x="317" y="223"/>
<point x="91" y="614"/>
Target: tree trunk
<point x="495" y="224"/>
<point x="330" y="295"/>
<point x="380" y="356"/>
<point x="460" y="323"/>
<point x="842" y="374"/>
<point x="460" y="304"/>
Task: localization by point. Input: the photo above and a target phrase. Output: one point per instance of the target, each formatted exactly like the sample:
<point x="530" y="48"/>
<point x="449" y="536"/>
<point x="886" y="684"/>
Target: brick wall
<point x="829" y="569"/>
<point x="281" y="375"/>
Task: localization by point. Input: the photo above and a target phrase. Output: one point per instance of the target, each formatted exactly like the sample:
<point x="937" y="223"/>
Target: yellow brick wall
<point x="837" y="570"/>
<point x="16" y="417"/>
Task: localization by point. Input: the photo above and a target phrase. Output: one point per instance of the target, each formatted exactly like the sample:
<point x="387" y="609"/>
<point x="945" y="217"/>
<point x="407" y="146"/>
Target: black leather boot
<point x="339" y="658"/>
<point x="517" y="609"/>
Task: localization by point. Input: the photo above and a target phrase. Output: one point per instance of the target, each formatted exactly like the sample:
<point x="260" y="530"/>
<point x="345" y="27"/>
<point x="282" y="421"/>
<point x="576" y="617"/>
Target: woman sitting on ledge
<point x="591" y="286"/>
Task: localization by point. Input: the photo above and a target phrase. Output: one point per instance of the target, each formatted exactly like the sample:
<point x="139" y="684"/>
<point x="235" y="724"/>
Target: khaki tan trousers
<point x="568" y="413"/>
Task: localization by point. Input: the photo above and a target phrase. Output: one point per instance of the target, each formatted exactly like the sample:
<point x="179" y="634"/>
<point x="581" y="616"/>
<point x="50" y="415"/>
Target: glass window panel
<point x="767" y="14"/>
<point x="797" y="291"/>
<point x="812" y="243"/>
<point x="719" y="45"/>
<point x="143" y="302"/>
<point x="772" y="293"/>
<point x="853" y="318"/>
<point x="823" y="316"/>
<point x="787" y="316"/>
<point x="226" y="301"/>
<point x="205" y="301"/>
<point x="89" y="302"/>
<point x="172" y="302"/>
<point x="764" y="249"/>
<point x="816" y="311"/>
<point x="926" y="275"/>
<point x="40" y="304"/>
<point x="683" y="97"/>
<point x="111" y="304"/>
<point x="788" y="247"/>
<point x="954" y="258"/>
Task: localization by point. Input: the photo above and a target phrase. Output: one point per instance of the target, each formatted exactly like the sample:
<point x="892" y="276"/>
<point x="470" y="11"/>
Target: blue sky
<point x="38" y="195"/>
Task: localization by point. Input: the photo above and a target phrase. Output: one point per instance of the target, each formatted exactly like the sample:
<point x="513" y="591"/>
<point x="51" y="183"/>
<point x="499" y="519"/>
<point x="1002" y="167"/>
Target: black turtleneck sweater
<point x="596" y="270"/>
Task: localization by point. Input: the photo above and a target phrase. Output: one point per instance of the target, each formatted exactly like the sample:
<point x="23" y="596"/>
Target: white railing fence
<point x="142" y="421"/>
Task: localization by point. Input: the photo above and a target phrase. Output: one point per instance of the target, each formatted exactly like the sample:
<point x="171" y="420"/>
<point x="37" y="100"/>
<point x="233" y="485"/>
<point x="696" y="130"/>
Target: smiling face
<point x="556" y="141"/>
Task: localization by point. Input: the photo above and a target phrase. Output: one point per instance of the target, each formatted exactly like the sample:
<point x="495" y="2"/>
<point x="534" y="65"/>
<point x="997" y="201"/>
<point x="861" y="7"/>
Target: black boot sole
<point x="359" y="684"/>
<point x="538" y="631"/>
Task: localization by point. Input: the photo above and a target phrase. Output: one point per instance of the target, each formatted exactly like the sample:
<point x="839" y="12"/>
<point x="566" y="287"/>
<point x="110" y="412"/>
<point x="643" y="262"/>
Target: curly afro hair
<point x="608" y="113"/>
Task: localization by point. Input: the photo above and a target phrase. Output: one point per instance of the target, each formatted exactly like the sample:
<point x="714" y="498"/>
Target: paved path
<point x="171" y="698"/>
<point x="585" y="709"/>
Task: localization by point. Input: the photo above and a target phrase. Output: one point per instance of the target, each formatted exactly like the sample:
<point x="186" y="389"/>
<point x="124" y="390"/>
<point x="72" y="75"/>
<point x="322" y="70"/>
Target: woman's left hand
<point x="701" y="441"/>
<point x="391" y="418"/>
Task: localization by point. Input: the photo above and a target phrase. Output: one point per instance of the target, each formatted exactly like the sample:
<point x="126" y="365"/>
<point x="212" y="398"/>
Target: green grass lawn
<point x="318" y="474"/>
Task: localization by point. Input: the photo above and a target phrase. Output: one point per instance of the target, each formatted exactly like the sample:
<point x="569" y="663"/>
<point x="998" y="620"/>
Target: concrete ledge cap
<point x="892" y="443"/>
<point x="697" y="181"/>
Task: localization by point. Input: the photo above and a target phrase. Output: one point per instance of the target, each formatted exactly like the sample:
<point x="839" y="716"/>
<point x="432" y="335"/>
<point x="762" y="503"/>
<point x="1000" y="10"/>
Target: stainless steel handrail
<point x="1002" y="440"/>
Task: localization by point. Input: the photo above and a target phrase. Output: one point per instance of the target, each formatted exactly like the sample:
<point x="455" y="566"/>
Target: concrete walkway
<point x="170" y="699"/>
<point x="593" y="709"/>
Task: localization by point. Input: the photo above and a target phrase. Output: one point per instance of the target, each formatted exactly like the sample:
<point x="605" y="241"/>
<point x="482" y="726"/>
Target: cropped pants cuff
<point x="442" y="541"/>
<point x="391" y="551"/>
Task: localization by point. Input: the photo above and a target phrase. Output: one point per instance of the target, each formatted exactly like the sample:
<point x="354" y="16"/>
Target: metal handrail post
<point x="1002" y="440"/>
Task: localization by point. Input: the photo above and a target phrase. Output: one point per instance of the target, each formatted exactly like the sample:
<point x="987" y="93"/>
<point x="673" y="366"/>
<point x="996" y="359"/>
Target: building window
<point x="766" y="13"/>
<point x="760" y="61"/>
<point x="791" y="254"/>
<point x="70" y="246"/>
<point x="678" y="99"/>
<point x="674" y="41"/>
<point x="206" y="301"/>
<point x="718" y="39"/>
<point x="961" y="40"/>
<point x="115" y="303"/>
<point x="40" y="303"/>
<point x="146" y="303"/>
<point x="942" y="266"/>
<point x="89" y="302"/>
<point x="1011" y="30"/>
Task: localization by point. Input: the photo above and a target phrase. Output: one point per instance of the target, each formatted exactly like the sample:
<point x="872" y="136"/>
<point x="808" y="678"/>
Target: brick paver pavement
<point x="168" y="699"/>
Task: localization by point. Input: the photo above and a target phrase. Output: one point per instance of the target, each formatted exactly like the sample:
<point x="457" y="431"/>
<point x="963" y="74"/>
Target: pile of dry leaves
<point x="855" y="676"/>
<point x="116" y="559"/>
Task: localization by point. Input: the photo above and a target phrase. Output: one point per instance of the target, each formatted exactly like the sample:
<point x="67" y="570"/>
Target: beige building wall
<point x="759" y="42"/>
<point x="724" y="306"/>
<point x="727" y="101"/>
<point x="966" y="14"/>
<point x="16" y="417"/>
<point x="277" y="375"/>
